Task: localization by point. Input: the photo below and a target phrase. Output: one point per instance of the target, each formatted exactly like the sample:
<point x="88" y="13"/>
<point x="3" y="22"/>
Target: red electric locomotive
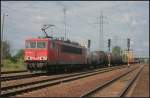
<point x="48" y="54"/>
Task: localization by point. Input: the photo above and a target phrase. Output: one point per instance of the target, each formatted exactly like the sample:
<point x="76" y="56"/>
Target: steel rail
<point x="9" y="72"/>
<point x="8" y="78"/>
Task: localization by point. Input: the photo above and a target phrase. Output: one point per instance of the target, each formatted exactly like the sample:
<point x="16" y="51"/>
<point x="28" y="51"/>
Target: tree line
<point x="6" y="52"/>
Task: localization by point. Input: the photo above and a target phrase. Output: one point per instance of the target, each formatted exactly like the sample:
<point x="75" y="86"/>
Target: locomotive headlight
<point x="43" y="58"/>
<point x="28" y="58"/>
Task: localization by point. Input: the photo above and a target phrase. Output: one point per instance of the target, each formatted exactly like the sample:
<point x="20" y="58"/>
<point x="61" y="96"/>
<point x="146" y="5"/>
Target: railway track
<point x="123" y="93"/>
<point x="108" y="88"/>
<point x="20" y="76"/>
<point x="26" y="87"/>
<point x="10" y="72"/>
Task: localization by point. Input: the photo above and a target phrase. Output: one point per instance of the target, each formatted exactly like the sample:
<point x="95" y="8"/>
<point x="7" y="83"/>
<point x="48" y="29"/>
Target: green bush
<point x="10" y="65"/>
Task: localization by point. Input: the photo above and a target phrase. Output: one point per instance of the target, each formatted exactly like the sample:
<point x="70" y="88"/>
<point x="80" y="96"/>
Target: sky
<point x="122" y="20"/>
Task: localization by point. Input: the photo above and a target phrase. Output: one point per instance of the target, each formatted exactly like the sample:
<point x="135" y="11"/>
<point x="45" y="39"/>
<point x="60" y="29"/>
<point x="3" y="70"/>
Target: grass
<point x="13" y="66"/>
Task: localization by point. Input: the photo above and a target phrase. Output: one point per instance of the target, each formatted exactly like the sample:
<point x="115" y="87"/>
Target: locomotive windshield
<point x="40" y="44"/>
<point x="30" y="44"/>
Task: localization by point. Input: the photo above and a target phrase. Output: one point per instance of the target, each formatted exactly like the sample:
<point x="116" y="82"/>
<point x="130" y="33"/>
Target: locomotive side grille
<point x="70" y="49"/>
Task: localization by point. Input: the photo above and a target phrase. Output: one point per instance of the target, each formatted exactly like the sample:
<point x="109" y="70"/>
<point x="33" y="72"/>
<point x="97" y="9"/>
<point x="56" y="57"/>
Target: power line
<point x="101" y="22"/>
<point x="101" y="39"/>
<point x="64" y="12"/>
<point x="101" y="31"/>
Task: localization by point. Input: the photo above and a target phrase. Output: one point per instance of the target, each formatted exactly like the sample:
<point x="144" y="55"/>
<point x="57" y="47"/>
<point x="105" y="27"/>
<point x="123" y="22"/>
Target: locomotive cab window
<point x="41" y="44"/>
<point x="30" y="44"/>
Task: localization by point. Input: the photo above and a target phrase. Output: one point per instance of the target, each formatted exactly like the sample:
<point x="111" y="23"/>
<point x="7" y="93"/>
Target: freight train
<point x="49" y="54"/>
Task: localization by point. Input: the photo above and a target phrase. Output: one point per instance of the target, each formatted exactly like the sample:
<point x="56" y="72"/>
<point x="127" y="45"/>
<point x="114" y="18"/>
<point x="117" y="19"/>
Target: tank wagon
<point x="101" y="57"/>
<point x="98" y="57"/>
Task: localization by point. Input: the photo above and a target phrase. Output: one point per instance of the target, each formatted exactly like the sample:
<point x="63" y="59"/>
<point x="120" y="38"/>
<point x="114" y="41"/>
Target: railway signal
<point x="88" y="46"/>
<point x="128" y="46"/>
<point x="89" y="43"/>
<point x="128" y="43"/>
<point x="109" y="45"/>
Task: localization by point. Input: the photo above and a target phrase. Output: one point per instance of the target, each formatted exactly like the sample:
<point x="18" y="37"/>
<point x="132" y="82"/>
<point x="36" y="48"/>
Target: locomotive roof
<point x="65" y="42"/>
<point x="36" y="39"/>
